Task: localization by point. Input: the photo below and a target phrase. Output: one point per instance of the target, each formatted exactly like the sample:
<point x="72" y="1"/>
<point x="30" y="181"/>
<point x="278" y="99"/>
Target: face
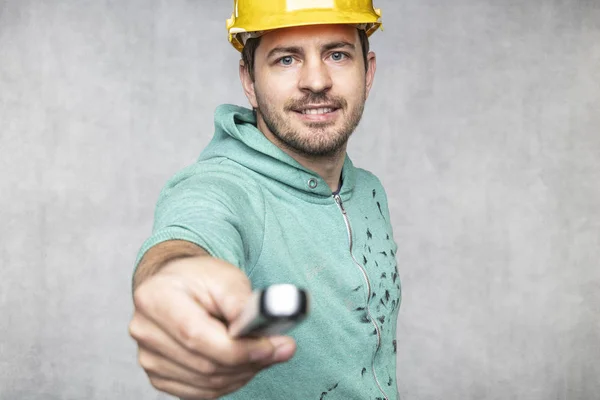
<point x="310" y="87"/>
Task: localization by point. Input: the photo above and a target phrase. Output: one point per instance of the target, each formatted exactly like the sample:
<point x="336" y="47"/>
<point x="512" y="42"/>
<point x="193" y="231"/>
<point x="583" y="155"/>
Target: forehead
<point x="306" y="36"/>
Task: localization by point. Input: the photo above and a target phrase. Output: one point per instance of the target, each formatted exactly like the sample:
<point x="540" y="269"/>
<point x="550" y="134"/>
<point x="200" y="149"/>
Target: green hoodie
<point x="249" y="203"/>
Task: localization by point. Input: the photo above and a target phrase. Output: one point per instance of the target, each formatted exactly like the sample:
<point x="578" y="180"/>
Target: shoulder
<point x="222" y="175"/>
<point x="366" y="180"/>
<point x="370" y="186"/>
<point x="215" y="183"/>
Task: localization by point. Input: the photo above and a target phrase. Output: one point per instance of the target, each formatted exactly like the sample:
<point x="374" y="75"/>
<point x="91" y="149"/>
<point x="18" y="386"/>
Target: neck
<point x="329" y="167"/>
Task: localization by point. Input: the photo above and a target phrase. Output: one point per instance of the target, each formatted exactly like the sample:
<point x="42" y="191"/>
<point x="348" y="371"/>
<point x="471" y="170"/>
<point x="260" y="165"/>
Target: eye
<point x="287" y="60"/>
<point x="338" y="56"/>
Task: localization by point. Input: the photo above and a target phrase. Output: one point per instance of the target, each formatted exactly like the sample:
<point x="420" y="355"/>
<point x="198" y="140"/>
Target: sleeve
<point x="218" y="207"/>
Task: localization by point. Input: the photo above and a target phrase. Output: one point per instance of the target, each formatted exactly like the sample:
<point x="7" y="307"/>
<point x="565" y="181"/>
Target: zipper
<point x="338" y="200"/>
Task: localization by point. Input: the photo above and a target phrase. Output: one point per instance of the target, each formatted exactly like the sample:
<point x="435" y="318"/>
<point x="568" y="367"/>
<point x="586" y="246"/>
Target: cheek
<point x="350" y="86"/>
<point x="277" y="84"/>
<point x="273" y="94"/>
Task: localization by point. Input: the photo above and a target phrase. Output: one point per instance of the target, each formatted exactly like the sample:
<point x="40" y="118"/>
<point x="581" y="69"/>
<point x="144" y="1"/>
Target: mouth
<point x="319" y="112"/>
<point x="316" y="111"/>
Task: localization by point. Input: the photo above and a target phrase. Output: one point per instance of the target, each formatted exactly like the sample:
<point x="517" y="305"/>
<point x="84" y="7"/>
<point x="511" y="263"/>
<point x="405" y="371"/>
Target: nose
<point x="315" y="76"/>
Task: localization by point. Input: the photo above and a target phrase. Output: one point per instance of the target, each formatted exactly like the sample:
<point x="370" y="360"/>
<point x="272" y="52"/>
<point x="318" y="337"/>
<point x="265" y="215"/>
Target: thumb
<point x="285" y="347"/>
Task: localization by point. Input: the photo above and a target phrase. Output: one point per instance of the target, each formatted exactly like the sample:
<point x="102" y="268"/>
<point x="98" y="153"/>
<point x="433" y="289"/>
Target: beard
<point x="317" y="138"/>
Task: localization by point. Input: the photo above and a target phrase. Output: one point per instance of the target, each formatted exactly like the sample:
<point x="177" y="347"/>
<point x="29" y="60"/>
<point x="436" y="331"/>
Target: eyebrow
<point x="298" y="50"/>
<point x="339" y="45"/>
<point x="286" y="49"/>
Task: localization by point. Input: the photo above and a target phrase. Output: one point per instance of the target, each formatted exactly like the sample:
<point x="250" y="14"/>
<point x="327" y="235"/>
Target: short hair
<point x="251" y="45"/>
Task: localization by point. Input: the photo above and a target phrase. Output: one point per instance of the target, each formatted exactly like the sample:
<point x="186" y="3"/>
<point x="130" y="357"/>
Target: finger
<point x="179" y="315"/>
<point x="188" y="392"/>
<point x="285" y="348"/>
<point x="157" y="365"/>
<point x="151" y="337"/>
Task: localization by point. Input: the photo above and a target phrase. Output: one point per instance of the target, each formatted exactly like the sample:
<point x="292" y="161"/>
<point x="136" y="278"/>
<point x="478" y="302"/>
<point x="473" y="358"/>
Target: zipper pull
<point x="338" y="200"/>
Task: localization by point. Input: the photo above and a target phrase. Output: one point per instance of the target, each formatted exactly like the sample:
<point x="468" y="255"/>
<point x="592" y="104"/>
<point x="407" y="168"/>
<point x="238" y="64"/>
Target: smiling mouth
<point x="317" y="111"/>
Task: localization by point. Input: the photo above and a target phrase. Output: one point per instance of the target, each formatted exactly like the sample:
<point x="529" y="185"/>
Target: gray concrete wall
<point x="484" y="125"/>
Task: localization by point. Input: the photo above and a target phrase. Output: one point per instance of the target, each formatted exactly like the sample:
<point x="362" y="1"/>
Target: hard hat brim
<point x="237" y="28"/>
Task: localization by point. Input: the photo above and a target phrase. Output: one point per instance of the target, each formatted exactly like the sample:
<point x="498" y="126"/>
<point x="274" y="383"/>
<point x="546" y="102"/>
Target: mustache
<point x="315" y="98"/>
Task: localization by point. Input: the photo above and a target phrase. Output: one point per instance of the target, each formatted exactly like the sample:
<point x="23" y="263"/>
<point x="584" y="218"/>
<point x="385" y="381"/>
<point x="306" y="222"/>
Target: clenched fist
<point x="183" y="342"/>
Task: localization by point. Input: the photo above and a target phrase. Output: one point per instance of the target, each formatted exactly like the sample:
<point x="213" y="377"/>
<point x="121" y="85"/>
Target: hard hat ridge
<point x="253" y="18"/>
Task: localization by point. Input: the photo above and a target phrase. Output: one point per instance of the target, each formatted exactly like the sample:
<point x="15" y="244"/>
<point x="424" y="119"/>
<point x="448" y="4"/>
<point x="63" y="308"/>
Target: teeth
<point x="317" y="111"/>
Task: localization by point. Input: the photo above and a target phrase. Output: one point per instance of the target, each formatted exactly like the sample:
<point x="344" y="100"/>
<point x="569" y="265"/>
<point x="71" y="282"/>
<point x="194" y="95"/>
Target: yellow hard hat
<point x="251" y="18"/>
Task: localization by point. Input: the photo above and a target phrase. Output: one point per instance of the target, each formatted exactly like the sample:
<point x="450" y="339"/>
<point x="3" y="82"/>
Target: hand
<point x="183" y="344"/>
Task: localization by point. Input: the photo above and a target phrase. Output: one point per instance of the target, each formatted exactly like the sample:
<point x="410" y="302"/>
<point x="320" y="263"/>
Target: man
<point x="275" y="199"/>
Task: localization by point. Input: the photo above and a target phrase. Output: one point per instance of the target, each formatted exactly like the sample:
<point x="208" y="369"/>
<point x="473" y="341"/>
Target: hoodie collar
<point x="238" y="139"/>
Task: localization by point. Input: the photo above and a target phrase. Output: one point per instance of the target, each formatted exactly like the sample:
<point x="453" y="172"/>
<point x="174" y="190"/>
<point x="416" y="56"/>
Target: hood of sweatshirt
<point x="237" y="138"/>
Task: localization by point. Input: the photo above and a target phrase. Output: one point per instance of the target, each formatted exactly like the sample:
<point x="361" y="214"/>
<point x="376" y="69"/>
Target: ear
<point x="248" y="85"/>
<point x="371" y="67"/>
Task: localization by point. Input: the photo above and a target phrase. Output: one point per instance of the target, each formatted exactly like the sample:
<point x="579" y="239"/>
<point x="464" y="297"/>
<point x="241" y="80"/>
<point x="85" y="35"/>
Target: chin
<point x="321" y="148"/>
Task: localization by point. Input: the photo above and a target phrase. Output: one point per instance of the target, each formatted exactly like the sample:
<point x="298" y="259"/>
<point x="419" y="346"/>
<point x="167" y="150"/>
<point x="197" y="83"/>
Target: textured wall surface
<point x="484" y="125"/>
